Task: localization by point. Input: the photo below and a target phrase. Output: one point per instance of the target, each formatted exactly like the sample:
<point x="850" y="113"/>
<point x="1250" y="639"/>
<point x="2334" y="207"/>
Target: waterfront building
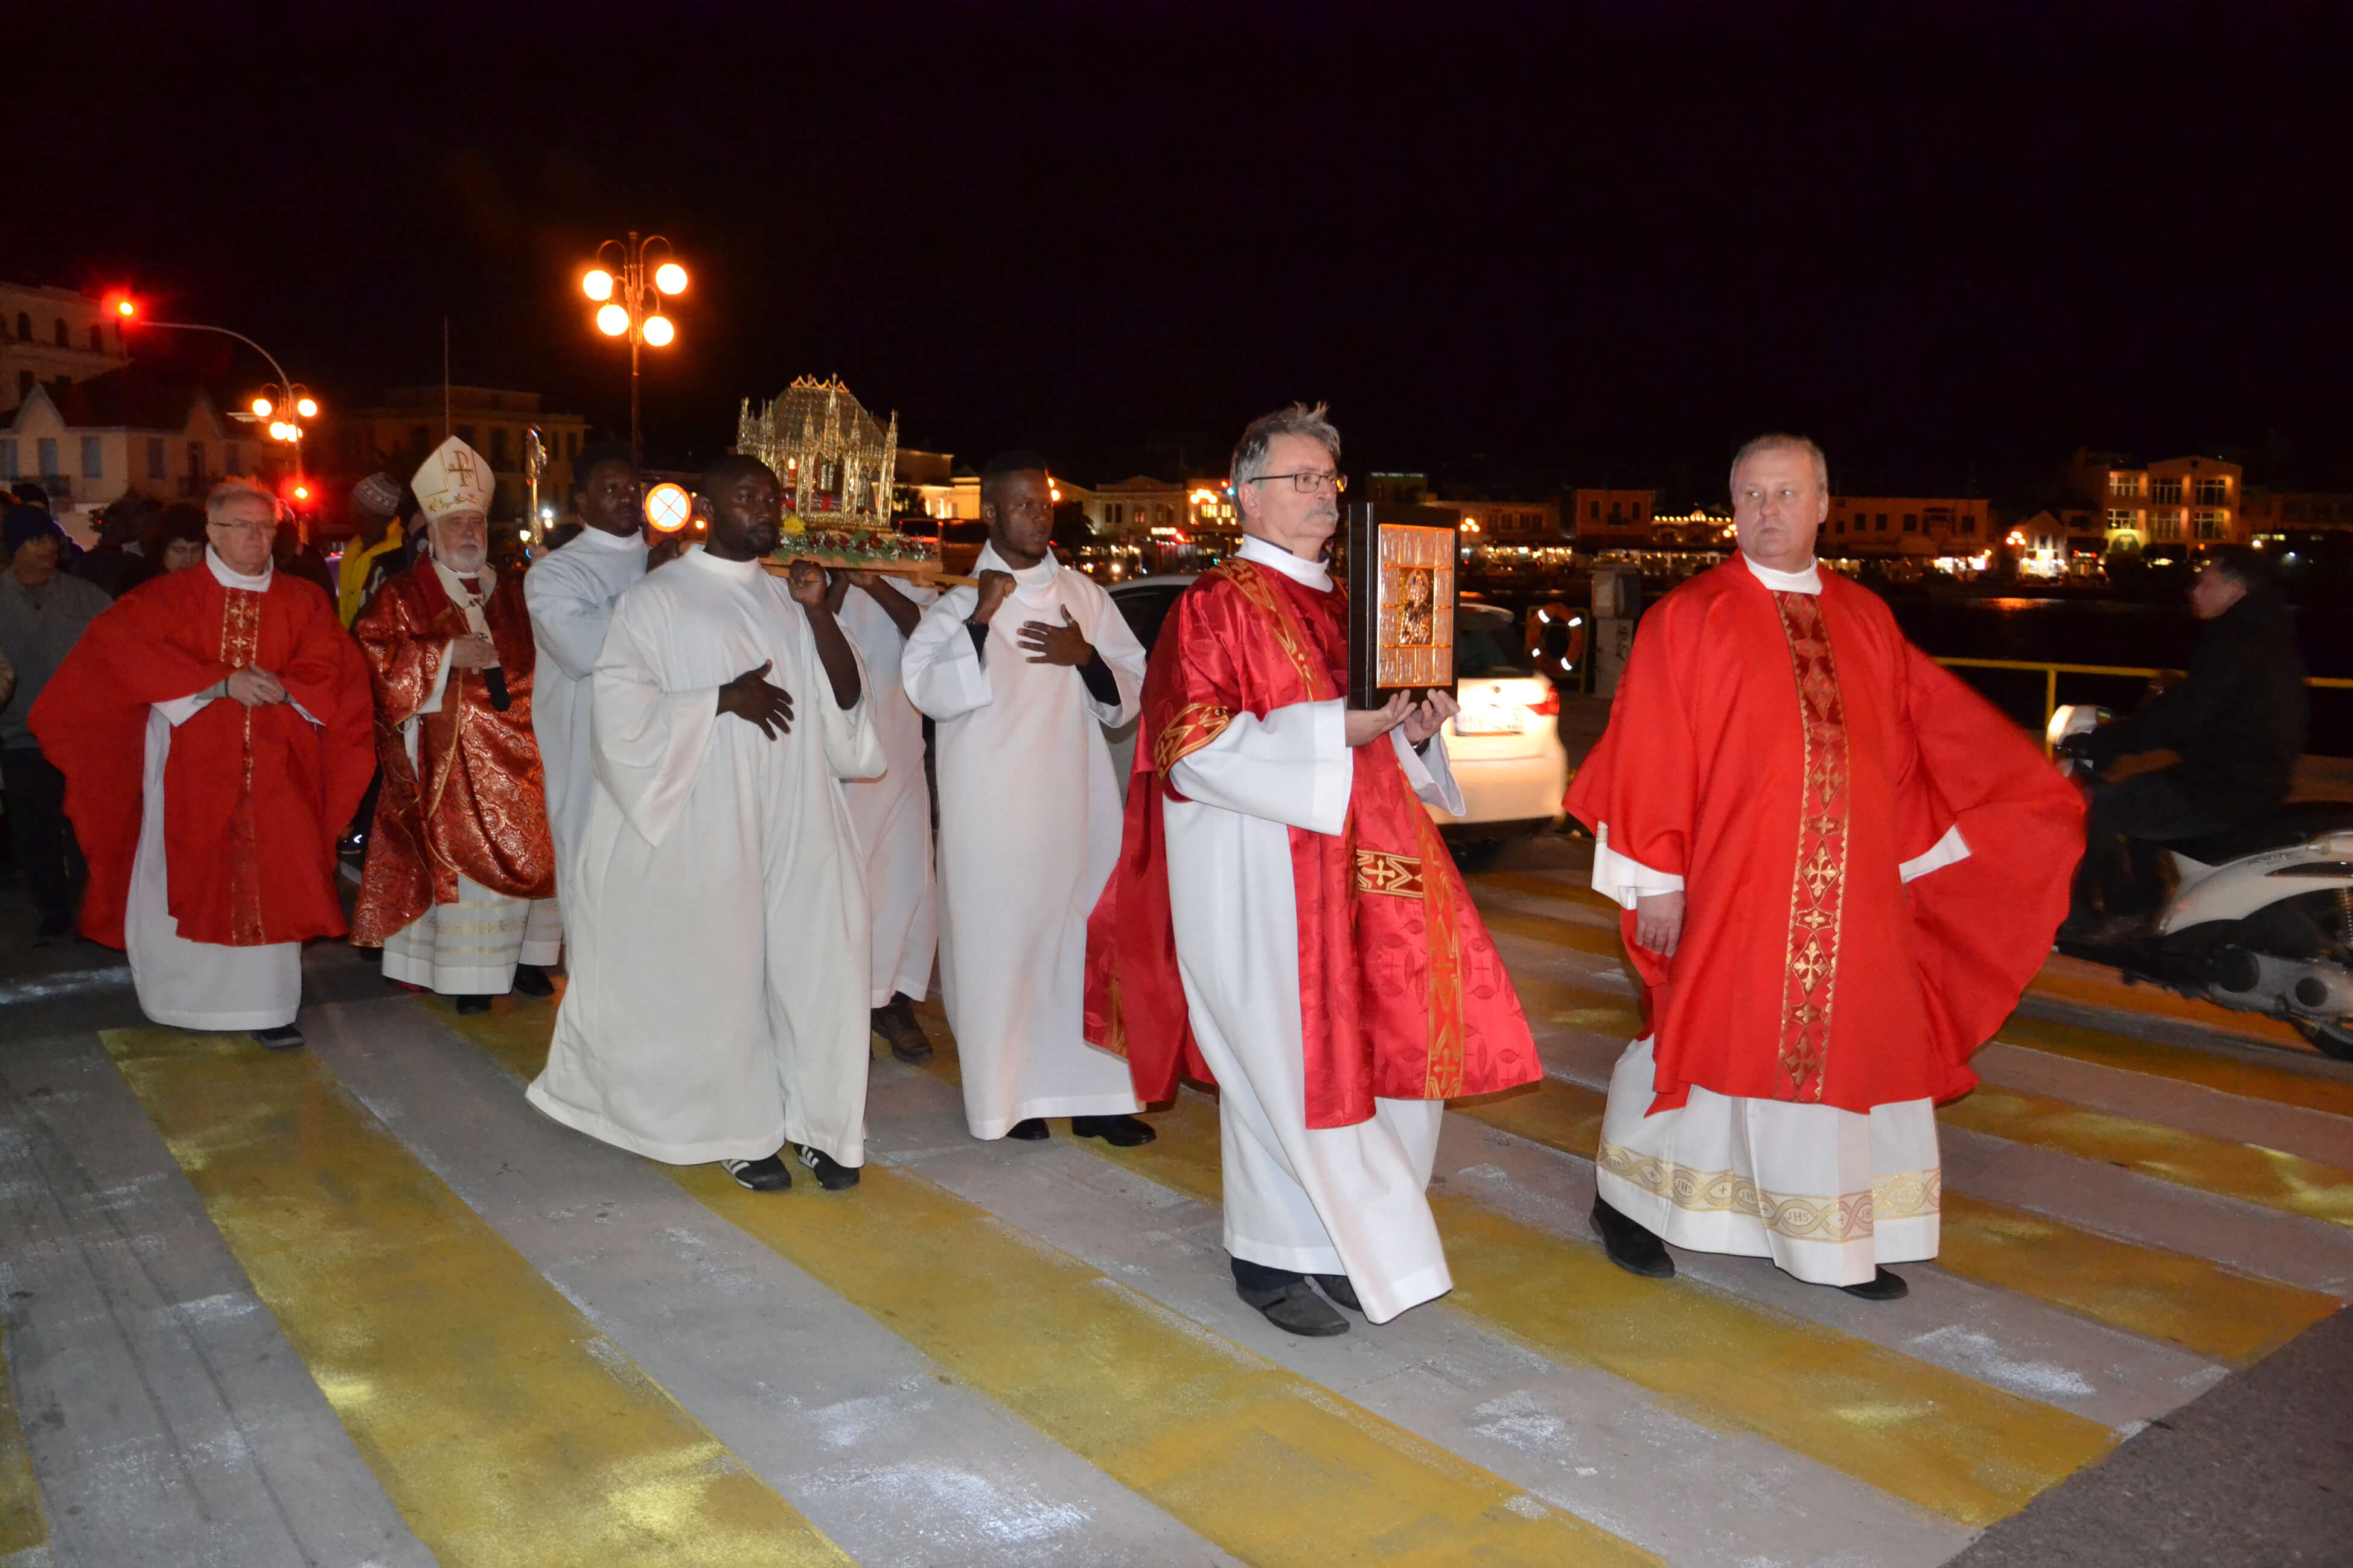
<point x="1612" y="519"/>
<point x="1928" y="527"/>
<point x="2176" y="502"/>
<point x="2273" y="516"/>
<point x="1518" y="524"/>
<point x="1701" y="528"/>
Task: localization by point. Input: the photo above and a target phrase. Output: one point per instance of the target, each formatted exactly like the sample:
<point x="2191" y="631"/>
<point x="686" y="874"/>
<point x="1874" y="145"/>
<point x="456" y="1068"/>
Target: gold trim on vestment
<point x="1846" y="1217"/>
<point x="1817" y="892"/>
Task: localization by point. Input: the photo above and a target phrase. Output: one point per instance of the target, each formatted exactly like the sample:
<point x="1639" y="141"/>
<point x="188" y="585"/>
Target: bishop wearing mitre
<point x="460" y="884"/>
<point x="212" y="728"/>
<point x="1839" y="868"/>
<point x="1285" y="922"/>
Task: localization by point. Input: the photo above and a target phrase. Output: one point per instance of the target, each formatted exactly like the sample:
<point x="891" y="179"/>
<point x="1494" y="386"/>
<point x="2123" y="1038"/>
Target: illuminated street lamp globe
<point x="670" y="278"/>
<point x="659" y="331"/>
<point x="629" y="281"/>
<point x="612" y="321"/>
<point x="597" y="284"/>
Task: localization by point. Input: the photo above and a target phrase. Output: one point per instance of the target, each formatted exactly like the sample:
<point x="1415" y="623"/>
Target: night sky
<point x="1590" y="244"/>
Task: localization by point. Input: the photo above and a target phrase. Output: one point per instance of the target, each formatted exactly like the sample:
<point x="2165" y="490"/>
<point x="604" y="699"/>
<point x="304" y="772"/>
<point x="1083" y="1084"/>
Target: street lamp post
<point x="630" y="300"/>
<point x="286" y="405"/>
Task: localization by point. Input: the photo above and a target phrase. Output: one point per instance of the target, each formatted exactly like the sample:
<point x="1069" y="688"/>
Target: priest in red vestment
<point x="1285" y="922"/>
<point x="1840" y="867"/>
<point x="213" y="727"/>
<point x="460" y="885"/>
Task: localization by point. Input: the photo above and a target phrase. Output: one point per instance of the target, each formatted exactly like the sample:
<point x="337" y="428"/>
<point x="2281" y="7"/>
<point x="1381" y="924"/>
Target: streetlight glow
<point x="659" y="331"/>
<point x="632" y="285"/>
<point x="670" y="278"/>
<point x="612" y="321"/>
<point x="123" y="305"/>
<point x="262" y="408"/>
<point x="280" y="431"/>
<point x="597" y="284"/>
<point x="307" y="408"/>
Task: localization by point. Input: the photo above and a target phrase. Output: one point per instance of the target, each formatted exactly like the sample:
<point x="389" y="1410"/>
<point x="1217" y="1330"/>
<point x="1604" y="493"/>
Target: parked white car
<point x="1505" y="746"/>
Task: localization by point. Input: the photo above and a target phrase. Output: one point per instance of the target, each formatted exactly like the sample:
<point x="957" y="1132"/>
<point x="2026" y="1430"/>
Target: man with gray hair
<point x="1285" y="920"/>
<point x="214" y="730"/>
<point x="1839" y="868"/>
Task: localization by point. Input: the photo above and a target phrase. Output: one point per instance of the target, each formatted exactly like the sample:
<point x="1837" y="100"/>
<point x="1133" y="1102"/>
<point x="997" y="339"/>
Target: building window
<point x="48" y="452"/>
<point x="24" y="327"/>
<point x="1879" y="522"/>
<point x="2165" y="525"/>
<point x="97" y="339"/>
<point x="498" y="448"/>
<point x="232" y="460"/>
<point x="2214" y="492"/>
<point x="156" y="456"/>
<point x="466" y="433"/>
<point x="2169" y="490"/>
<point x="64" y="339"/>
<point x="1593" y="511"/>
<point x="1838" y="525"/>
<point x="196" y="460"/>
<point x="8" y="461"/>
<point x="2123" y="484"/>
<point x="2210" y="523"/>
<point x="1970" y="523"/>
<point x="23" y="384"/>
<point x="2119" y="517"/>
<point x="93" y="457"/>
<point x="1911" y="522"/>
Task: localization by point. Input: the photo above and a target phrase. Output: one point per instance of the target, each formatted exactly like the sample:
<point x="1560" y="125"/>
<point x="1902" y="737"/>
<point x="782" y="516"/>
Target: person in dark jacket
<point x="2238" y="722"/>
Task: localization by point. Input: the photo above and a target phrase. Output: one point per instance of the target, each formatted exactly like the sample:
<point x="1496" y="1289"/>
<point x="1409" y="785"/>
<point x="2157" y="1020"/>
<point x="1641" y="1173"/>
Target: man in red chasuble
<point x="460" y="887"/>
<point x="213" y="727"/>
<point x="1285" y="922"/>
<point x="1840" y="867"/>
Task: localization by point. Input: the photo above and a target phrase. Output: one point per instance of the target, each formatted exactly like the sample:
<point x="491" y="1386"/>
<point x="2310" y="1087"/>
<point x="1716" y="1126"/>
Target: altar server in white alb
<point x="717" y="1010"/>
<point x="892" y="813"/>
<point x="1021" y="673"/>
<point x="571" y="595"/>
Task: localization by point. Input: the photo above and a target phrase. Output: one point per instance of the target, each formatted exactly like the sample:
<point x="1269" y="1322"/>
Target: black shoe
<point x="283" y="1038"/>
<point x="52" y="927"/>
<point x="373" y="956"/>
<point x="1341" y="1290"/>
<point x="767" y="1175"/>
<point x="1032" y="1131"/>
<point x="895" y="1023"/>
<point x="1630" y="1246"/>
<point x="530" y="980"/>
<point x="471" y="1004"/>
<point x="1287" y="1301"/>
<point x="1882" y="1286"/>
<point x="1119" y="1132"/>
<point x="831" y="1174"/>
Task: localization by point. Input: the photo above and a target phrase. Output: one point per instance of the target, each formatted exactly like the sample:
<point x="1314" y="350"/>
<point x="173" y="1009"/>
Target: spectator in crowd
<point x="120" y="563"/>
<point x="377" y="550"/>
<point x="297" y="557"/>
<point x="43" y="613"/>
<point x="177" y="539"/>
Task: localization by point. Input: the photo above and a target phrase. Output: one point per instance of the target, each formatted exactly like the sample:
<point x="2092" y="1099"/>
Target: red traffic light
<point x="122" y="305"/>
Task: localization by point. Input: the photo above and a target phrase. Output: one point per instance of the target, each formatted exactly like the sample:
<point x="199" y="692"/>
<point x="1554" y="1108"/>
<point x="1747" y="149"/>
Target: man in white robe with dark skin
<point x="892" y="813"/>
<point x="1020" y="674"/>
<point x="571" y="595"/>
<point x="717" y="1010"/>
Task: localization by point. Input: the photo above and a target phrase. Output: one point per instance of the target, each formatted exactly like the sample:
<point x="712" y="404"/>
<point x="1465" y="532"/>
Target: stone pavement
<point x="360" y="1304"/>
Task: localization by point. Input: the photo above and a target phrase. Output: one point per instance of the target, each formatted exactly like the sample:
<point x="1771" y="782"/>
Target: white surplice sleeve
<point x="568" y="617"/>
<point x="1116" y="641"/>
<point x="1293" y="766"/>
<point x="853" y="749"/>
<point x="1430" y="772"/>
<point x="1623" y="878"/>
<point x="1951" y="847"/>
<point x="647" y="743"/>
<point x="940" y="668"/>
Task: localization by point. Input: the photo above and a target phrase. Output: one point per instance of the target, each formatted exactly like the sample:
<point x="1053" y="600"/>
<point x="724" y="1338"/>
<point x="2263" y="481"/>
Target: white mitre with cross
<point x="453" y="479"/>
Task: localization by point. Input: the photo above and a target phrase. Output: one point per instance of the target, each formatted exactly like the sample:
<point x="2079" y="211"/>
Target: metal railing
<point x="2052" y="672"/>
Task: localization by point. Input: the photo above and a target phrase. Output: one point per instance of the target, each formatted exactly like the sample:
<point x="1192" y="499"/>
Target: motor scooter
<point x="2261" y="918"/>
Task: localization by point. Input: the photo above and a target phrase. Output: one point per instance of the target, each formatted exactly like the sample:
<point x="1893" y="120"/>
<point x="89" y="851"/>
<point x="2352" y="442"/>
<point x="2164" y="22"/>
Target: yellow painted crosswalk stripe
<point x="2244" y="1170"/>
<point x="1931" y="1436"/>
<point x="2183" y="1064"/>
<point x="1255" y="1458"/>
<point x="2143" y="1290"/>
<point x="23" y="1525"/>
<point x="502" y="1425"/>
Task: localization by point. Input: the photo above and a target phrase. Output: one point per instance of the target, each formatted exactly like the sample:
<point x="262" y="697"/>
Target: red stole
<point x="254" y="797"/>
<point x="1402" y="995"/>
<point x="474" y="803"/>
<point x="1786" y="753"/>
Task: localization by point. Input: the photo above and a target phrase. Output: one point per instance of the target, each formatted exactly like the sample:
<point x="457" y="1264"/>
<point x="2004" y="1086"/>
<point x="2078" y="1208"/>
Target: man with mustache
<point x="1285" y="920"/>
<point x="460" y="884"/>
<point x="1021" y="673"/>
<point x="717" y="1010"/>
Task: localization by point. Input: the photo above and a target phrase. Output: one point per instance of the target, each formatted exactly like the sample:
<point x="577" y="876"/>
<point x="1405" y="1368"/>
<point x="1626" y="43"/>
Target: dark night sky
<point x="1602" y="243"/>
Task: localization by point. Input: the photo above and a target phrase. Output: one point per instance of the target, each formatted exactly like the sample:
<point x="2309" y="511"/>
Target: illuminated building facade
<point x="1936" y="527"/>
<point x="1608" y="518"/>
<point x="2179" y="501"/>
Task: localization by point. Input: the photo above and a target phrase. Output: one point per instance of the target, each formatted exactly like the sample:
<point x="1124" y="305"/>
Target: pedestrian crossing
<point x="528" y="1348"/>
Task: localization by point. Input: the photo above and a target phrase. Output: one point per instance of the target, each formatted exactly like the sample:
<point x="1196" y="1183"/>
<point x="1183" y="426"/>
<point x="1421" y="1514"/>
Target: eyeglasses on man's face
<point x="1306" y="482"/>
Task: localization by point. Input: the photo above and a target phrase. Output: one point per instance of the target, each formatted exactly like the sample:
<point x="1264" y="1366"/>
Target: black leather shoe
<point x="1341" y="1290"/>
<point x="1032" y="1131"/>
<point x="1632" y="1246"/>
<point x="1119" y="1132"/>
<point x="1287" y="1301"/>
<point x="468" y="1005"/>
<point x="283" y="1038"/>
<point x="767" y="1175"/>
<point x="1882" y="1286"/>
<point x="530" y="980"/>
<point x="831" y="1174"/>
<point x="896" y="1024"/>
